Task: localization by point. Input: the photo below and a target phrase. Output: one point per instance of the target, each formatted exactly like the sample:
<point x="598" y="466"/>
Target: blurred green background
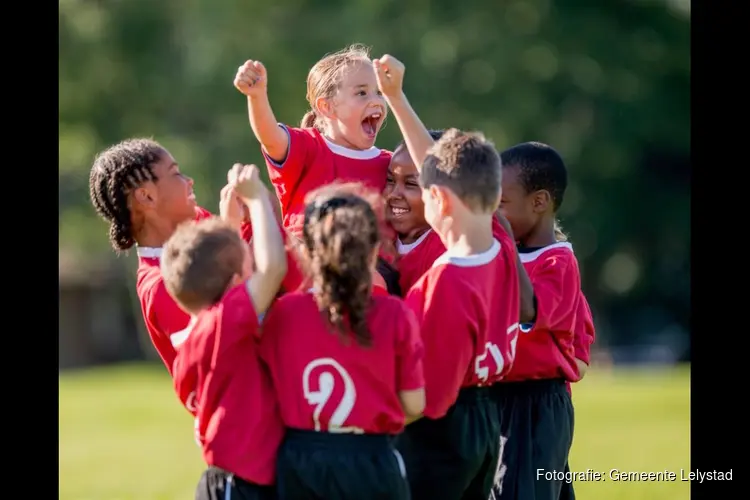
<point x="606" y="83"/>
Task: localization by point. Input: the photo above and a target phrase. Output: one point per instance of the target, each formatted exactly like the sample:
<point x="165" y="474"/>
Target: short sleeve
<point x="409" y="352"/>
<point x="585" y="333"/>
<point x="557" y="286"/>
<point x="168" y="316"/>
<point x="301" y="153"/>
<point x="237" y="318"/>
<point x="448" y="347"/>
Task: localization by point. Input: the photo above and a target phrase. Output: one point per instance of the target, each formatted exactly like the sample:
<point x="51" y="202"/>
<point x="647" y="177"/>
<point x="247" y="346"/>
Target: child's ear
<point x="541" y="201"/>
<point x="323" y="107"/>
<point x="143" y="196"/>
<point x="443" y="199"/>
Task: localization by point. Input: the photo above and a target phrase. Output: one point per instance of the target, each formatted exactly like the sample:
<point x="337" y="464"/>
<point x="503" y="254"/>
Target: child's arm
<point x="390" y="75"/>
<point x="526" y="289"/>
<point x="268" y="244"/>
<point x="251" y="80"/>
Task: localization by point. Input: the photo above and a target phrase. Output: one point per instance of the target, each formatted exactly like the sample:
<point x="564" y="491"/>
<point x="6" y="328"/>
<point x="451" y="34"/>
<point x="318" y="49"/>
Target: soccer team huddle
<point x="407" y="327"/>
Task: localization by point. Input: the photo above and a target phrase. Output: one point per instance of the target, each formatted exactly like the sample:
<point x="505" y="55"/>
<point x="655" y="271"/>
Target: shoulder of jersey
<point x="562" y="248"/>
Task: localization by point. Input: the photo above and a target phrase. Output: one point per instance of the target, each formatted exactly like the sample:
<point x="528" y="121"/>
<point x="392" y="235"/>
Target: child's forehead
<point x="402" y="164"/>
<point x="358" y="73"/>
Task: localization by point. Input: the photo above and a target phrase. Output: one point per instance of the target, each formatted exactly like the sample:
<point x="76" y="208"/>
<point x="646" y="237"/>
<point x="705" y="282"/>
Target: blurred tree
<point x="606" y="83"/>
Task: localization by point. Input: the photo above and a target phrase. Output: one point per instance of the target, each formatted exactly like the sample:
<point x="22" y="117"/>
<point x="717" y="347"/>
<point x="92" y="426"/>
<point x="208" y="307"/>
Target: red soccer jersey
<point x="585" y="333"/>
<point x="468" y="308"/>
<point x="326" y="384"/>
<point x="416" y="258"/>
<point x="162" y="315"/>
<point x="545" y="350"/>
<point x="219" y="378"/>
<point x="313" y="161"/>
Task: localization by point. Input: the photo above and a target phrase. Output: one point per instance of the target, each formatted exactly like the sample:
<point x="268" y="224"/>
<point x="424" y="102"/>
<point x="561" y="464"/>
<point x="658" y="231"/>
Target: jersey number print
<point x="491" y="361"/>
<point x="330" y="389"/>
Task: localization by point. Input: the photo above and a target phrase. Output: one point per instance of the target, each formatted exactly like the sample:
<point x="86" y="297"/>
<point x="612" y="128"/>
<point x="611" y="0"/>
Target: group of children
<point x="408" y="328"/>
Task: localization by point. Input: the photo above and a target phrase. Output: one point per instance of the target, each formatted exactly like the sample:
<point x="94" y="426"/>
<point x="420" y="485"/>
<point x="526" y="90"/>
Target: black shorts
<point x="567" y="492"/>
<point x="218" y="484"/>
<point x="536" y="421"/>
<point x="454" y="457"/>
<point x="326" y="466"/>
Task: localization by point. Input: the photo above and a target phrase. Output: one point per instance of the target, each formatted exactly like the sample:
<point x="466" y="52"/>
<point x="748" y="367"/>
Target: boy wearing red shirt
<point x="345" y="363"/>
<point x="468" y="307"/>
<point x="218" y="376"/>
<point x="534" y="182"/>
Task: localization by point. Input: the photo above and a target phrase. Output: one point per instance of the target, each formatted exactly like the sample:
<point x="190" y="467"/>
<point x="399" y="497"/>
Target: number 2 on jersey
<point x="330" y="389"/>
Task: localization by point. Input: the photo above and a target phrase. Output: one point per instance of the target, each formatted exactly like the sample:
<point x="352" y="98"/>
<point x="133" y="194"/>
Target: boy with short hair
<point x="217" y="372"/>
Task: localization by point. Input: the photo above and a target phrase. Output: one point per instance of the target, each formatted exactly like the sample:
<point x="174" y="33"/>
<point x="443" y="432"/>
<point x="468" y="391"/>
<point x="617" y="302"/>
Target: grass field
<point x="124" y="436"/>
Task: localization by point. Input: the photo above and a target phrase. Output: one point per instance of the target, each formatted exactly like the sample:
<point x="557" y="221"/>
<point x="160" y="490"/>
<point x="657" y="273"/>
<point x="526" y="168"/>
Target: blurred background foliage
<point x="606" y="83"/>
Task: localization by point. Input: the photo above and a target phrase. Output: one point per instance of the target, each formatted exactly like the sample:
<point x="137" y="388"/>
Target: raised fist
<point x="390" y="74"/>
<point x="251" y="78"/>
<point x="247" y="183"/>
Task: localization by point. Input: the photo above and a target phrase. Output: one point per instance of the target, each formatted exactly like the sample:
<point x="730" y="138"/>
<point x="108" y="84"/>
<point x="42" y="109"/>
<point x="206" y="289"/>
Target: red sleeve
<point x="300" y="155"/>
<point x="168" y="319"/>
<point x="238" y="319"/>
<point x="448" y="347"/>
<point x="246" y="231"/>
<point x="409" y="351"/>
<point x="201" y="213"/>
<point x="557" y="286"/>
<point x="585" y="332"/>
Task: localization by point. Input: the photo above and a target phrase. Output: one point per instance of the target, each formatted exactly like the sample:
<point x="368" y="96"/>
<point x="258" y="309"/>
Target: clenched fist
<point x="251" y="78"/>
<point x="246" y="181"/>
<point x="390" y="74"/>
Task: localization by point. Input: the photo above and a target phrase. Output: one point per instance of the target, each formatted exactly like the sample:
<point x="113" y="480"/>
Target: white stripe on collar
<point x="475" y="260"/>
<point x="149" y="252"/>
<point x="404" y="248"/>
<point x="532" y="256"/>
<point x="355" y="154"/>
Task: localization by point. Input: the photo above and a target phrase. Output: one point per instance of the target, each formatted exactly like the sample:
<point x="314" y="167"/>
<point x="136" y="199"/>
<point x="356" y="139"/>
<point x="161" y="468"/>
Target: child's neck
<point x="542" y="235"/>
<point x="468" y="235"/>
<point x="154" y="234"/>
<point x="413" y="235"/>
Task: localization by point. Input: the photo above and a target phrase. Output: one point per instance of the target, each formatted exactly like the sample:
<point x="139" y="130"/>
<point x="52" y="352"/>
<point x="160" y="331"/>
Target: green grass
<point x="124" y="436"/>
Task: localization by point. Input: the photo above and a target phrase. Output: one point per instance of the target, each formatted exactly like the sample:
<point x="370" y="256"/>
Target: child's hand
<point x="390" y="74"/>
<point x="247" y="183"/>
<point x="231" y="208"/>
<point x="251" y="78"/>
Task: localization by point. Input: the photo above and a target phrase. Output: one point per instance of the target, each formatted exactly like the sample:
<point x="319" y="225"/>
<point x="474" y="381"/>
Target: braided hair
<point x="340" y="234"/>
<point x="116" y="172"/>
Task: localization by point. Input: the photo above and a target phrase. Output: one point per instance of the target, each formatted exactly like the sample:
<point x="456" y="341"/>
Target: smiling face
<point x="403" y="196"/>
<point x="170" y="197"/>
<point x="357" y="111"/>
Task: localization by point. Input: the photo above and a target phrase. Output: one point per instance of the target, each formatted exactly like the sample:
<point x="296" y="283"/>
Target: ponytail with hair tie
<point x="309" y="120"/>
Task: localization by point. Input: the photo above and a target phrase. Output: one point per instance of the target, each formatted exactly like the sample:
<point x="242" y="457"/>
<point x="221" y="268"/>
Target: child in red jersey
<point x="217" y="373"/>
<point x="533" y="401"/>
<point x="585" y="333"/>
<point x="136" y="186"/>
<point x="336" y="138"/>
<point x="346" y="364"/>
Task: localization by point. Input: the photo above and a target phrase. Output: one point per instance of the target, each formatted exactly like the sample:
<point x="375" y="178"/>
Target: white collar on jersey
<point x="149" y="252"/>
<point x="355" y="154"/>
<point x="404" y="248"/>
<point x="476" y="260"/>
<point x="532" y="256"/>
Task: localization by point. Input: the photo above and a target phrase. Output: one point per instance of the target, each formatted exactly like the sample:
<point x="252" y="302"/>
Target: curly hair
<point x="116" y="171"/>
<point x="340" y="234"/>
